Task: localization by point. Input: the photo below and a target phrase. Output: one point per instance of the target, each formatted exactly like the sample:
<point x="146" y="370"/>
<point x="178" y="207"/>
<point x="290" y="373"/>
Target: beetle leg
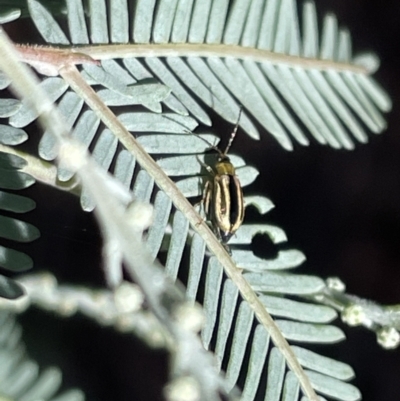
<point x="207" y="192"/>
<point x="205" y="200"/>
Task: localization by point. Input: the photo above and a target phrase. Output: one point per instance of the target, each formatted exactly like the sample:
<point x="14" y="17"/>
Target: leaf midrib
<point x="113" y="51"/>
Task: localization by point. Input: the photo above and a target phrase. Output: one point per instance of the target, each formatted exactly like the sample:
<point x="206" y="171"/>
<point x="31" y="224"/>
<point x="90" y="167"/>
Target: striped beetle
<point x="223" y="195"/>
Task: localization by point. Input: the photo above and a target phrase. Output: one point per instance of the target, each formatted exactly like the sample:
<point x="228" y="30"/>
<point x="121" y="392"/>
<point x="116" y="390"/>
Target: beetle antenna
<point x="207" y="142"/>
<point x="233" y="134"/>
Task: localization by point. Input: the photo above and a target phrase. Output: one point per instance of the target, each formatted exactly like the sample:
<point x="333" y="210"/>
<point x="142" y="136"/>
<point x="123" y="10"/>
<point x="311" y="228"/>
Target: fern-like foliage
<point x="20" y="377"/>
<point x="12" y="179"/>
<point x="220" y="54"/>
<point x="241" y="51"/>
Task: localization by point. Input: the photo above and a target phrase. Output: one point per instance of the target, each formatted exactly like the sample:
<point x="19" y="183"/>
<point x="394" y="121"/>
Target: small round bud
<point x="128" y="298"/>
<point x="72" y="154"/>
<point x="388" y="337"/>
<point x="140" y="215"/>
<point x="353" y="315"/>
<point x="189" y="317"/>
<point x="334" y="283"/>
<point x="183" y="389"/>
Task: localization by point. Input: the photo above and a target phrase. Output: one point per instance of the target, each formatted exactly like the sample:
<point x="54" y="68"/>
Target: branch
<point x="43" y="171"/>
<point x="54" y="56"/>
<point x="356" y="311"/>
<point x="122" y="308"/>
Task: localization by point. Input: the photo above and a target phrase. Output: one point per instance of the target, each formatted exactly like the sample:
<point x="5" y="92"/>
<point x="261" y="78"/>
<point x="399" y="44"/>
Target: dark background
<point x="341" y="208"/>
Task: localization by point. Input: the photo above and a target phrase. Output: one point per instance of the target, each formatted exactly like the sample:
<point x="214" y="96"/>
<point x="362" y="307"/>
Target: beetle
<point x="222" y="194"/>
